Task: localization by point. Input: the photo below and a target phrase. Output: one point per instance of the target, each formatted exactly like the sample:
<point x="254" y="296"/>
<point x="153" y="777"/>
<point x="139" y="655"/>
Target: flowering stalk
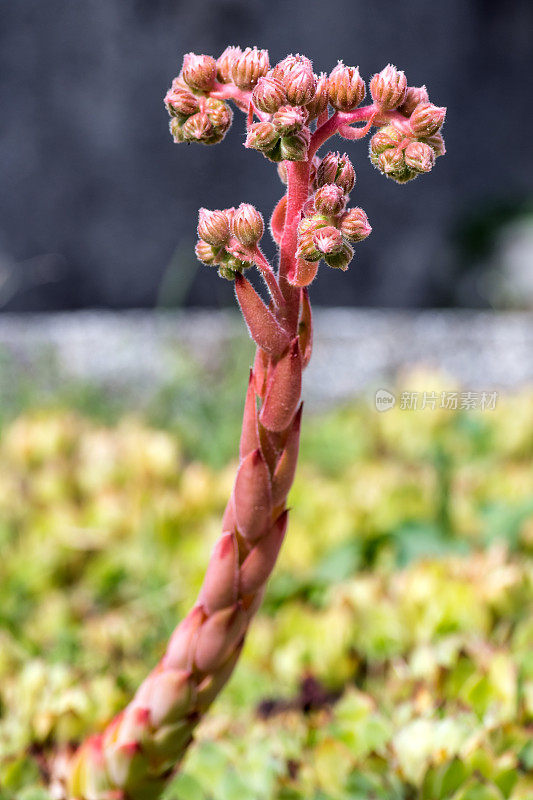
<point x="288" y="121"/>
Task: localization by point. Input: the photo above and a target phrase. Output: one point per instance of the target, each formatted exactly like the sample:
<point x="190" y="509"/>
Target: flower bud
<point x="262" y="136"/>
<point x="336" y="169"/>
<point x="213" y="226"/>
<point x="225" y="63"/>
<point x="419" y="156"/>
<point x="346" y="88"/>
<point x="288" y="119"/>
<point x="329" y="200"/>
<point x="319" y="102"/>
<point x="219" y="113"/>
<point x="176" y="130"/>
<point x="269" y="95"/>
<point x="391" y="162"/>
<point x="328" y="240"/>
<point x="300" y="82"/>
<point x="198" y="128"/>
<point x="181" y="102"/>
<point x="385" y="138"/>
<point x="436" y="142"/>
<point x="388" y="88"/>
<point x="282" y="69"/>
<point x="199" y="72"/>
<point x="248" y="225"/>
<point x="413" y="96"/>
<point x="341" y="259"/>
<point x="206" y="253"/>
<point x="294" y="147"/>
<point x="249" y="66"/>
<point x="307" y="248"/>
<point x="312" y="224"/>
<point x="354" y="225"/>
<point x="426" y="119"/>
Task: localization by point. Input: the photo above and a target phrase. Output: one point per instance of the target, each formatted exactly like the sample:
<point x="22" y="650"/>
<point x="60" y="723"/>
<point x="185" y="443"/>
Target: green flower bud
<point x="341" y="259"/>
<point x="294" y="147"/>
<point x="219" y="113"/>
<point x="262" y="136"/>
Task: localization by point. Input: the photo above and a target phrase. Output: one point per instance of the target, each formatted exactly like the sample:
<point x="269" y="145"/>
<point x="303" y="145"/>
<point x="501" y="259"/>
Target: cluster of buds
<point x="194" y="115"/>
<point x="228" y="238"/>
<point x="407" y="146"/>
<point x="288" y="97"/>
<point x="328" y="230"/>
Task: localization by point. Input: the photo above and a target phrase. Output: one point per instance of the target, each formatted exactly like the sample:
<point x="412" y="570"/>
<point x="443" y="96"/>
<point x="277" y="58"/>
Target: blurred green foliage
<point x="393" y="655"/>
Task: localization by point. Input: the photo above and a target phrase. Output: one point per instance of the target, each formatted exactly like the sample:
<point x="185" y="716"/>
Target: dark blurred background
<point x="98" y="206"/>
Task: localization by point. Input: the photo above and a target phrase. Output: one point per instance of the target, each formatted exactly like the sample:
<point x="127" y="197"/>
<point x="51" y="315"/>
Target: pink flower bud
<point x="248" y="225"/>
<point x="262" y="136"/>
<point x="388" y="88"/>
<point x="328" y="240"/>
<point x="413" y="96"/>
<point x="225" y="63"/>
<point x="336" y="169"/>
<point x="288" y="119"/>
<point x="300" y="82"/>
<point x="319" y="102"/>
<point x="269" y="95"/>
<point x="346" y="88"/>
<point x="249" y="66"/>
<point x="206" y="253"/>
<point x="426" y="119"/>
<point x="354" y="225"/>
<point x="180" y="102"/>
<point x="329" y="200"/>
<point x="419" y="156"/>
<point x="283" y="67"/>
<point x="294" y="147"/>
<point x="219" y="113"/>
<point x="199" y="72"/>
<point x="342" y="259"/>
<point x="213" y="226"/>
<point x="436" y="142"/>
<point x="198" y="128"/>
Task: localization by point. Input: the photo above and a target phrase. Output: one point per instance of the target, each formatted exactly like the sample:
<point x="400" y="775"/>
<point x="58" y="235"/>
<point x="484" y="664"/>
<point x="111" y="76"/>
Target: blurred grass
<point x="405" y="587"/>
